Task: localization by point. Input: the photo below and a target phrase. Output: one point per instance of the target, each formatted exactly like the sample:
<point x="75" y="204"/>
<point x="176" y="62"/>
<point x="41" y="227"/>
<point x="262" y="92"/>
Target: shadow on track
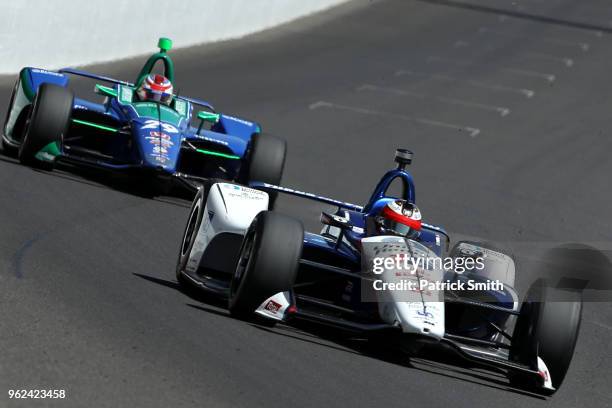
<point x="439" y="363"/>
<point x="104" y="179"/>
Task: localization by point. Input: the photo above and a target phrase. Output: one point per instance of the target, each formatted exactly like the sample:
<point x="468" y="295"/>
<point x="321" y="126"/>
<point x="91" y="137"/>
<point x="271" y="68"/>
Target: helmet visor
<point x="397" y="228"/>
<point x="157" y="96"/>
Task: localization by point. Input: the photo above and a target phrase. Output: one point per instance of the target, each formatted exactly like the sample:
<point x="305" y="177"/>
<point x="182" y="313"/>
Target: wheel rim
<point x="244" y="261"/>
<point x="191" y="230"/>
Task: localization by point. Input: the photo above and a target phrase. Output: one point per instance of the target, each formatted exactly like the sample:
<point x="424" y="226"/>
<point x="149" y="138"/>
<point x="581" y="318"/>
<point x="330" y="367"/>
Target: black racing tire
<point x="8" y="150"/>
<point x="547" y="327"/>
<point x="268" y="262"/>
<point x="48" y="122"/>
<point x="189" y="235"/>
<point x="266" y="161"/>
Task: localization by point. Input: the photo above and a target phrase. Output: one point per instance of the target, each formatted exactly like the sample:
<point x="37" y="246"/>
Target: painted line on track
<point x="528" y="73"/>
<point x="528" y="93"/>
<point x="472" y="131"/>
<point x="510" y="70"/>
<point x="567" y="61"/>
<point x="501" y="110"/>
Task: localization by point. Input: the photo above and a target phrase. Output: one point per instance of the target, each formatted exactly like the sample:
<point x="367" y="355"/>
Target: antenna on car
<point x="403" y="158"/>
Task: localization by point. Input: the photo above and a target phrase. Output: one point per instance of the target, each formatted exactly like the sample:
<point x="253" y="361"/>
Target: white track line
<point x="510" y="70"/>
<point x="584" y="46"/>
<point x="473" y="132"/>
<point x="528" y="93"/>
<point x="501" y="110"/>
<point x="568" y="62"/>
<point x="534" y="74"/>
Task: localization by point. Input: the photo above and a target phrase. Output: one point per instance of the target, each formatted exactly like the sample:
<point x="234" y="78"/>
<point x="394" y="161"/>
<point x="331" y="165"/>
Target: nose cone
<point x="159" y="145"/>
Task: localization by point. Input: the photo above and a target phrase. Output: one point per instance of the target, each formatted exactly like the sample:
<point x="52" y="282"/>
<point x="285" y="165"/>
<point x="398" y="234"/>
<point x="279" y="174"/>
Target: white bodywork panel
<point x="543" y="370"/>
<point x="275" y="306"/>
<point x="229" y="208"/>
<point x="419" y="312"/>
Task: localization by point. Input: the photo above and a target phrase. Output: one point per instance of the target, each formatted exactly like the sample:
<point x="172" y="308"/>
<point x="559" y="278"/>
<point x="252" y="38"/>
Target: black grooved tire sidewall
<point x="182" y="259"/>
<point x="557" y="331"/>
<point x="267" y="161"/>
<point x="273" y="264"/>
<point x="49" y="120"/>
<point x="548" y="328"/>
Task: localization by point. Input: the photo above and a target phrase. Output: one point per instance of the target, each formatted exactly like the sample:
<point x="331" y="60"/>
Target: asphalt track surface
<point x="507" y="108"/>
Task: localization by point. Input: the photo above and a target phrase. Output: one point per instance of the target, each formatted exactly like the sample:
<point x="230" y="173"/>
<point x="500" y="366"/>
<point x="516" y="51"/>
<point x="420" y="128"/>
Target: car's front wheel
<point x="48" y="122"/>
<point x="268" y="262"/>
<point x="547" y="328"/>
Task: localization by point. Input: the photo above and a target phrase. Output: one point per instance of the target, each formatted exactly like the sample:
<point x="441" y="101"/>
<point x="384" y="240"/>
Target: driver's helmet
<point x="155" y="88"/>
<point x="399" y="217"/>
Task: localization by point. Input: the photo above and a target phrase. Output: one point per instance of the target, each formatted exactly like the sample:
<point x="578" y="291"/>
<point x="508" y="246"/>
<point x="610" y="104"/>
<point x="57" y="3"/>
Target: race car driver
<point x="155" y="88"/>
<point x="398" y="217"/>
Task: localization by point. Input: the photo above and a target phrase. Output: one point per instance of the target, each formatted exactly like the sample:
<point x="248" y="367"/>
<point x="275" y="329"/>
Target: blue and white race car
<point x="268" y="267"/>
<point x="140" y="127"/>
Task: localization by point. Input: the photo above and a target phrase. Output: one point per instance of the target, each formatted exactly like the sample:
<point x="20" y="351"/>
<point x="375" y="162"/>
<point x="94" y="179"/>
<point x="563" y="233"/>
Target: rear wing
<point x="271" y="187"/>
<point x="86" y="74"/>
<point x="103" y="78"/>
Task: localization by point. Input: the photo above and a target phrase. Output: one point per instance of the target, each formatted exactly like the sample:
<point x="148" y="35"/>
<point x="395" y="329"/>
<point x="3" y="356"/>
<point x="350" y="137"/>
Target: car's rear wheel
<point x="268" y="262"/>
<point x="266" y="161"/>
<point x="548" y="328"/>
<point x="46" y="125"/>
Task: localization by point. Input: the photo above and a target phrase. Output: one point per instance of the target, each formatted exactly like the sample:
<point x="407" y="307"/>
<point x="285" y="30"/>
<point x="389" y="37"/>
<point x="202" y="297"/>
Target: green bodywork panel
<point x="152" y="110"/>
<point x="125" y="94"/>
<point x="209" y="116"/>
<point x="25" y="85"/>
<point x="224" y="155"/>
<point x="95" y="125"/>
<point x="180" y="106"/>
<point x="48" y="153"/>
<point x="105" y="90"/>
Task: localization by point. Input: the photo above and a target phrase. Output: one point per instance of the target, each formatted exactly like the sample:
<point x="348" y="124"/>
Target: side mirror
<point x="334" y="220"/>
<point x="105" y="90"/>
<point x="208" y="117"/>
